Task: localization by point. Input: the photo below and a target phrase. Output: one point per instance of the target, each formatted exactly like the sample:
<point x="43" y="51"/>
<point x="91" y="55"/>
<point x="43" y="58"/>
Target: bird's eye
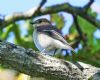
<point x="38" y="21"/>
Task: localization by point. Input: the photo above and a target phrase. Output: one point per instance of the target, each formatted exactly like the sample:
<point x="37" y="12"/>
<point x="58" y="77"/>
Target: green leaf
<point x="96" y="46"/>
<point x="1" y="32"/>
<point x="91" y="13"/>
<point x="5" y="33"/>
<point x="73" y="29"/>
<point x="29" y="27"/>
<point x="86" y="57"/>
<point x="59" y="20"/>
<point x="86" y="27"/>
<point x="17" y="34"/>
<point x="91" y="54"/>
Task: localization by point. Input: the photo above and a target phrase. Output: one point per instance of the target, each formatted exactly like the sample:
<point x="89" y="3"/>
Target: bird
<point x="47" y="38"/>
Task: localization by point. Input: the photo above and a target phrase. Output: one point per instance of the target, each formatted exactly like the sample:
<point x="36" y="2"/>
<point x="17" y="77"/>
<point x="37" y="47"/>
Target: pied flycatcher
<point x="46" y="37"/>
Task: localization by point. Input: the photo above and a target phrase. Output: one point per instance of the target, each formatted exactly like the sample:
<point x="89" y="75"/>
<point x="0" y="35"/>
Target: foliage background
<point x="86" y="42"/>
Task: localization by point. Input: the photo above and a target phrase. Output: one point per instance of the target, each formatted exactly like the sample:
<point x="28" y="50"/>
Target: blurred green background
<point x="87" y="46"/>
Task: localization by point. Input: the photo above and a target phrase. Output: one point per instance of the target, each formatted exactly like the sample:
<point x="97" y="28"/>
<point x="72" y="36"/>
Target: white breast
<point x="35" y="38"/>
<point x="41" y="41"/>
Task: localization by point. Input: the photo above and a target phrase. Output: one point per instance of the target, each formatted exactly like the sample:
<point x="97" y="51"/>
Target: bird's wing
<point x="56" y="35"/>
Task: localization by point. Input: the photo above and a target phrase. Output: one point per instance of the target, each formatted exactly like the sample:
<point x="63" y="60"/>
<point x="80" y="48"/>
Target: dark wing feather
<point x="56" y="35"/>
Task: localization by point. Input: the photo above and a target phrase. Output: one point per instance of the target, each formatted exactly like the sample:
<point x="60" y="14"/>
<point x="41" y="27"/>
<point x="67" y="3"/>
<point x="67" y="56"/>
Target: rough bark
<point x="40" y="65"/>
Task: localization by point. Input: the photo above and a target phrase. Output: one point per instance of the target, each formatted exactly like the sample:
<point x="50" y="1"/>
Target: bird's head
<point x="40" y="22"/>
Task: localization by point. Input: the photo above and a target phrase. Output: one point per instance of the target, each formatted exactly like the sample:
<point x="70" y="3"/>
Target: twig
<point x="79" y="30"/>
<point x="40" y="5"/>
<point x="87" y="6"/>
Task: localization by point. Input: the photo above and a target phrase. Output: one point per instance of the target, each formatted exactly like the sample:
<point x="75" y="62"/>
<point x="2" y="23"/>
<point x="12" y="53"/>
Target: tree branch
<point x="36" y="65"/>
<point x="77" y="25"/>
<point x="65" y="7"/>
<point x="79" y="30"/>
<point x="40" y="5"/>
<point x="86" y="7"/>
<point x="39" y="65"/>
